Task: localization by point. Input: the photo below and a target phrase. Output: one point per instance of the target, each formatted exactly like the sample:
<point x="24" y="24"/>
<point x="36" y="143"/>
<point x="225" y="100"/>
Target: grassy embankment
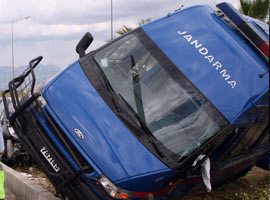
<point x="254" y="186"/>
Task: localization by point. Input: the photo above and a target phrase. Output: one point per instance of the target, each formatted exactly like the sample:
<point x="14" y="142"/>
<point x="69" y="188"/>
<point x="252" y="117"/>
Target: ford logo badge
<point x="79" y="133"/>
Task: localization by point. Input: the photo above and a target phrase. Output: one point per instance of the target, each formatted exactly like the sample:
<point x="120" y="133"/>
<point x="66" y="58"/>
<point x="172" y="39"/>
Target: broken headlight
<point x="42" y="101"/>
<point x="39" y="104"/>
<point x="113" y="190"/>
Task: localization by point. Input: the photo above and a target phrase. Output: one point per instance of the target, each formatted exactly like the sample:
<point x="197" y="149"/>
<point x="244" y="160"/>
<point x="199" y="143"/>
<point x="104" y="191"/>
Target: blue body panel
<point x="43" y="123"/>
<point x="144" y="182"/>
<point x="107" y="142"/>
<point x="214" y="57"/>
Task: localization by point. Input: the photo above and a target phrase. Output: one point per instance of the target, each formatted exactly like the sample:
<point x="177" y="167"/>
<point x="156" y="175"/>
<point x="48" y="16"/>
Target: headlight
<point x="42" y="101"/>
<point x="113" y="190"/>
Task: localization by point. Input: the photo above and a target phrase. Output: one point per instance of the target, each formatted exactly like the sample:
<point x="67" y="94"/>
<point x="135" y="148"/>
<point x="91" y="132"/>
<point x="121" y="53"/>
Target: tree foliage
<point x="125" y="29"/>
<point x="257" y="8"/>
<point x="144" y="21"/>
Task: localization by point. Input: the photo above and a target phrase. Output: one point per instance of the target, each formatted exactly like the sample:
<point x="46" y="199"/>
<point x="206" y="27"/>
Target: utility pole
<point x="111" y="19"/>
<point x="12" y="44"/>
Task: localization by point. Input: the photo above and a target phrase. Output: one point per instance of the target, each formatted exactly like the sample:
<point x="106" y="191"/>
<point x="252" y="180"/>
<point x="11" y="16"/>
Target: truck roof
<point x="214" y="57"/>
<point x="262" y="26"/>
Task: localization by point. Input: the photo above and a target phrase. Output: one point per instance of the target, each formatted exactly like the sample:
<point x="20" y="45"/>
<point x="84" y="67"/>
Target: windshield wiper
<point x="142" y="124"/>
<point x="108" y="86"/>
<point x="144" y="128"/>
<point x="111" y="91"/>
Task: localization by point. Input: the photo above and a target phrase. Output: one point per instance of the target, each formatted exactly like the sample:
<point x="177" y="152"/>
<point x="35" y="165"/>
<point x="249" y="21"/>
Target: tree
<point x="256" y="8"/>
<point x="125" y="29"/>
<point x="144" y="21"/>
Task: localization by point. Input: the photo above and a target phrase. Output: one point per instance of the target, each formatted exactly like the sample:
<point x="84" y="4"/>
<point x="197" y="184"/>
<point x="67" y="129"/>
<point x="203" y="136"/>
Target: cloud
<point x="78" y="11"/>
<point x="235" y="3"/>
<point x="56" y="26"/>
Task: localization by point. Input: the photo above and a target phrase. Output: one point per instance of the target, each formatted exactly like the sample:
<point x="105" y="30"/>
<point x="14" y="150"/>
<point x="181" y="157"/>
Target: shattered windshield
<point x="178" y="116"/>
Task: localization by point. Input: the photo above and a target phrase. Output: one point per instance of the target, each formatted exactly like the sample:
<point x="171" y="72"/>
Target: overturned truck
<point x="177" y="105"/>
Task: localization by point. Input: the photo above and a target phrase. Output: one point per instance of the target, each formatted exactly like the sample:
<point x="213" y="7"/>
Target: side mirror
<point x="84" y="43"/>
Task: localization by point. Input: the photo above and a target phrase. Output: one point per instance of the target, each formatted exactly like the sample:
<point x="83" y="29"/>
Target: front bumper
<point x="68" y="171"/>
<point x="66" y="180"/>
<point x="66" y="168"/>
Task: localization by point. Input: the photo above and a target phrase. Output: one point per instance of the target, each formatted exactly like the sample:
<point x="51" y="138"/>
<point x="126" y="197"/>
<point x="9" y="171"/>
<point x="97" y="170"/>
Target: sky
<point x="55" y="26"/>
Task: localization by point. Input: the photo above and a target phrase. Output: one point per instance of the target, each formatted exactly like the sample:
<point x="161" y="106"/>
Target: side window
<point x="249" y="138"/>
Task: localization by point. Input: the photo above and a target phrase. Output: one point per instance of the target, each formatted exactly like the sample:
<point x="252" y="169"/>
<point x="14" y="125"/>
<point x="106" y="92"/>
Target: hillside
<point x="42" y="72"/>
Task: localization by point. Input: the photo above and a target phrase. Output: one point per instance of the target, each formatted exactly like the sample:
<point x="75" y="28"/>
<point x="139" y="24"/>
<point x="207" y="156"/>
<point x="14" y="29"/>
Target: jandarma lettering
<point x="205" y="53"/>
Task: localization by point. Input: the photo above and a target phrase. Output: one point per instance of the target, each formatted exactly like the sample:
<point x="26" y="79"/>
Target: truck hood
<point x="218" y="61"/>
<point x="114" y="150"/>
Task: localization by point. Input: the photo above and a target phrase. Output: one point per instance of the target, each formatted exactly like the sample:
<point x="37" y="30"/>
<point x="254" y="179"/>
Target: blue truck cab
<point x="128" y="120"/>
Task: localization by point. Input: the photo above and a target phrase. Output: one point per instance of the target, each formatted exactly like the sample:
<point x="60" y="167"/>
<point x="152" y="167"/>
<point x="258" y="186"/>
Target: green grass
<point x="254" y="186"/>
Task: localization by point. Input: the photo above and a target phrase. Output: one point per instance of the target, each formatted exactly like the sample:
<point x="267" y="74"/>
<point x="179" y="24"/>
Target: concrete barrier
<point x="24" y="188"/>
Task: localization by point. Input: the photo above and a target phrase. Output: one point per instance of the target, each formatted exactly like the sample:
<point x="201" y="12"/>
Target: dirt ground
<point x="254" y="186"/>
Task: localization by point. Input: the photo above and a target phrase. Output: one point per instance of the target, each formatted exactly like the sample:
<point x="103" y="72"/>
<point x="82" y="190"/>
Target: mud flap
<point x="205" y="170"/>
